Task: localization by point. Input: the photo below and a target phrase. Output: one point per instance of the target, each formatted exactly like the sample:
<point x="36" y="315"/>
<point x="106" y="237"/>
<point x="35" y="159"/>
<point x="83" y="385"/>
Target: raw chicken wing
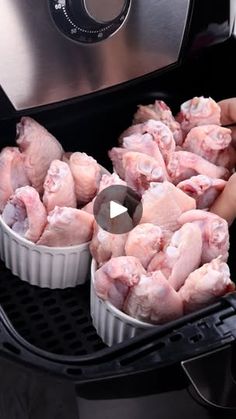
<point x="184" y="164"/>
<point x="198" y="111"/>
<point x="203" y="189"/>
<point x="163" y="204"/>
<point x="208" y="141"/>
<point x="215" y="233"/>
<point x="159" y="132"/>
<point x="143" y="242"/>
<point x="87" y="174"/>
<point x="67" y="227"/>
<point x="39" y="148"/>
<point x="106" y="181"/>
<point x="153" y="300"/>
<point x="205" y="285"/>
<point x="181" y="256"/>
<point x="59" y="187"/>
<point x="115" y="278"/>
<point x="145" y="144"/>
<point x="139" y="170"/>
<point x="161" y="112"/>
<point x="12" y="173"/>
<point x="105" y="245"/>
<point x="25" y="213"/>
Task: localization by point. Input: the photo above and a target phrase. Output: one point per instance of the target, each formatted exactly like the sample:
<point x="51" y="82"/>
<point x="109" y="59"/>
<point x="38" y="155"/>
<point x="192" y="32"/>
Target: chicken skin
<point x="67" y="227"/>
<point x="184" y="164"/>
<point x="137" y="169"/>
<point x="159" y="111"/>
<point x="203" y="189"/>
<point x="39" y="148"/>
<point x="215" y="233"/>
<point x="163" y="204"/>
<point x="181" y="256"/>
<point x="12" y="173"/>
<point x="159" y="132"/>
<point x="87" y="174"/>
<point x="59" y="187"/>
<point x="205" y="285"/>
<point x="105" y="245"/>
<point x="153" y="300"/>
<point x="208" y="141"/>
<point x="115" y="278"/>
<point x="198" y="111"/>
<point x="143" y="242"/>
<point x="25" y="213"/>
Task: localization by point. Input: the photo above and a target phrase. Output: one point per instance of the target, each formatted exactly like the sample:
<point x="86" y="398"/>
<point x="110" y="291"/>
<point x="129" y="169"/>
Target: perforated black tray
<point x="58" y="322"/>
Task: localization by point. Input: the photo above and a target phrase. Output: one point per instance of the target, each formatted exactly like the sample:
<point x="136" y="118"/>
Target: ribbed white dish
<point x="47" y="267"/>
<point x="111" y="324"/>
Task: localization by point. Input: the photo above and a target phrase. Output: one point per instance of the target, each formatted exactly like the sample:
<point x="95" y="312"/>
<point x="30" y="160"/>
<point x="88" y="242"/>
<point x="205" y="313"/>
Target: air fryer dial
<point x="89" y="21"/>
<point x="60" y="53"/>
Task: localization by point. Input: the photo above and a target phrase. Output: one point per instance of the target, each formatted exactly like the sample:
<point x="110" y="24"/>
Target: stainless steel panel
<point x="39" y="65"/>
<point x="233" y="17"/>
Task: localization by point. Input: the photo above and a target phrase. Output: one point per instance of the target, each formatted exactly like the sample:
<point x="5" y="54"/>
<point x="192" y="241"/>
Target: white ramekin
<point x="46" y="267"/>
<point x="111" y="324"/>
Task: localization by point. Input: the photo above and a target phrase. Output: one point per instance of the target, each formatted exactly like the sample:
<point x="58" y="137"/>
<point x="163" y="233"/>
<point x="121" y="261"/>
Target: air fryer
<point x="81" y="70"/>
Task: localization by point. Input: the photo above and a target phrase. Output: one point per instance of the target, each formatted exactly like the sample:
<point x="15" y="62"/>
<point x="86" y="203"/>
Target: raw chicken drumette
<point x="153" y="300"/>
<point x="67" y="227"/>
<point x="184" y="164"/>
<point x="145" y="144"/>
<point x="163" y="204"/>
<point x="87" y="174"/>
<point x="215" y="233"/>
<point x="198" y="111"/>
<point x="105" y="245"/>
<point x="203" y="189"/>
<point x="114" y="279"/>
<point x="12" y="173"/>
<point x="25" y="213"/>
<point x="137" y="169"/>
<point x="181" y="256"/>
<point x="143" y="242"/>
<point x="59" y="187"/>
<point x="209" y="142"/>
<point x="159" y="133"/>
<point x="161" y="112"/>
<point x="39" y="148"/>
<point x="205" y="285"/>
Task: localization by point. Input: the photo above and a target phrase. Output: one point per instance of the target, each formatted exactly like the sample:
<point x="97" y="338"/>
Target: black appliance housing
<point x="52" y="362"/>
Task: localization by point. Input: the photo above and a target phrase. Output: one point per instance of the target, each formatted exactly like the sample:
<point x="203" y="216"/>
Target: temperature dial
<point x="89" y="21"/>
<point x="104" y="11"/>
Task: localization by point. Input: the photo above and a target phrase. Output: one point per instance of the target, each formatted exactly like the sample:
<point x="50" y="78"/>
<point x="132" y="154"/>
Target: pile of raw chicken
<point x="175" y="260"/>
<point x="42" y="188"/>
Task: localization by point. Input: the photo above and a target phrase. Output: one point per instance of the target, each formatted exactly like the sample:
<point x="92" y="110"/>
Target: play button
<point x="117" y="209"/>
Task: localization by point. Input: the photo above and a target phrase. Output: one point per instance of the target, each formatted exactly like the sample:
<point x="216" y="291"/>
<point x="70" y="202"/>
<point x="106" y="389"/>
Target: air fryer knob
<point x="89" y="21"/>
<point x="103" y="11"/>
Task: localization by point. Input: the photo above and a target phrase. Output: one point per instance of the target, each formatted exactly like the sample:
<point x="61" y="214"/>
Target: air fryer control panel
<point x="56" y="50"/>
<point x="89" y="21"/>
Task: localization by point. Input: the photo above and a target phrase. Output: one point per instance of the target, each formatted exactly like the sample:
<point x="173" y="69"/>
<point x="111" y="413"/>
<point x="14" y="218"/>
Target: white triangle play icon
<point x="116" y="209"/>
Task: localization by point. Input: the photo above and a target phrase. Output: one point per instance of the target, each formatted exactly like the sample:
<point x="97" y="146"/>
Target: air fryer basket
<point x="52" y="329"/>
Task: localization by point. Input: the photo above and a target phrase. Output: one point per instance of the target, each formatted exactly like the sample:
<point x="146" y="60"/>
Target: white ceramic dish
<point x="111" y="324"/>
<point x="46" y="267"/>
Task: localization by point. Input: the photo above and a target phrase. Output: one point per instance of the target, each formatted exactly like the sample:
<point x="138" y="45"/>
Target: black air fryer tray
<point x="52" y="329"/>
